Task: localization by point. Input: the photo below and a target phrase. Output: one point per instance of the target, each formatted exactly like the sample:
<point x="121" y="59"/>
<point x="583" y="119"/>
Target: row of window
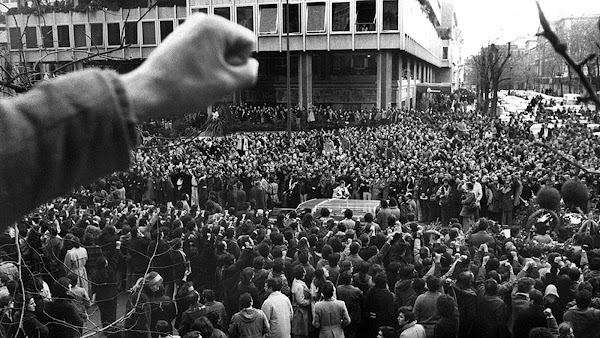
<point x="90" y="35"/>
<point x="364" y="19"/>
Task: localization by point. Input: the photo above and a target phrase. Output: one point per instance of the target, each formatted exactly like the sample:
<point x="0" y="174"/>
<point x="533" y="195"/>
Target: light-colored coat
<point x="278" y="309"/>
<point x="331" y="316"/>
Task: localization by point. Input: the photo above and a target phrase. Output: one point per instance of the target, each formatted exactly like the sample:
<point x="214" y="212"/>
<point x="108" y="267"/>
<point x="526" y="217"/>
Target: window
<point x="224" y="12"/>
<point x="353" y="64"/>
<point x="365" y="16"/>
<point x="131" y="33"/>
<point x="166" y="28"/>
<point x="200" y="10"/>
<point x="80" y="35"/>
<point x="390" y="15"/>
<point x="295" y="21"/>
<point x="268" y="19"/>
<point x="245" y="17"/>
<point x="64" y="39"/>
<point x="445" y="53"/>
<point x="114" y="34"/>
<point x="47" y="36"/>
<point x="97" y="35"/>
<point x="148" y="33"/>
<point x="15" y="38"/>
<point x="316" y="17"/>
<point x="340" y="17"/>
<point x="31" y="37"/>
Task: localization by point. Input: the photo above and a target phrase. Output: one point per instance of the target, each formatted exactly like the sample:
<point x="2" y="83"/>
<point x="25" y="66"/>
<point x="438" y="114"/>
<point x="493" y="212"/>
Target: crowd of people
<point x="186" y="235"/>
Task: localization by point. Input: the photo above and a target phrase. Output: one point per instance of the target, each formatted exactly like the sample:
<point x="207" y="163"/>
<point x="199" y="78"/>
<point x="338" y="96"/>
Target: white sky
<point x="483" y="21"/>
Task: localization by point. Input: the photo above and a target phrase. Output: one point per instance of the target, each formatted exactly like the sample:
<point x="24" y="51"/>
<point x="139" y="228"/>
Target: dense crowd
<point x="186" y="234"/>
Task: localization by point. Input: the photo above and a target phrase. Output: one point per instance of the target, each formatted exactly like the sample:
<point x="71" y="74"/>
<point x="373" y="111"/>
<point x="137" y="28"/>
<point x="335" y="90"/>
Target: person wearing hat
<point x="138" y="324"/>
<point x="551" y="301"/>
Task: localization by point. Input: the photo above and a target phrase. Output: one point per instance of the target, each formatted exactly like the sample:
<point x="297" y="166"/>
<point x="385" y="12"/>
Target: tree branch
<point x="16" y="88"/>
<point x="566" y="158"/>
<point x="561" y="48"/>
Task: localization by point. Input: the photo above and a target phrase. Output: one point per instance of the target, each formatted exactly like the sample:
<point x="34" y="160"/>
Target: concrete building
<point x="352" y="54"/>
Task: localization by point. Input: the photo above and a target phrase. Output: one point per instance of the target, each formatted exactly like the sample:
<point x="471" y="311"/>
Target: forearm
<point x="65" y="132"/>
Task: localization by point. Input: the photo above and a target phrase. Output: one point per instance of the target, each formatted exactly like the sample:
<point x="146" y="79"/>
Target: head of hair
<point x="525" y="284"/>
<point x="73" y="278"/>
<point x="380" y="280"/>
<point x="536" y="297"/>
<point x="333" y="259"/>
<point x="540" y="332"/>
<point x="208" y="295"/>
<point x="345" y="278"/>
<point x="491" y="286"/>
<point x="564" y="329"/>
<point x="419" y="285"/>
<point x="274" y="283"/>
<point x="407" y="311"/>
<point x="433" y="283"/>
<point x="60" y="287"/>
<point x="445" y="306"/>
<point x="327" y="289"/>
<point x="583" y="299"/>
<point x="406" y="271"/>
<point x="354" y="247"/>
<point x="387" y="332"/>
<point x="465" y="279"/>
<point x="245" y="300"/>
<point x="163" y="327"/>
<point x="246" y="275"/>
<point x="299" y="272"/>
<point x="193" y="334"/>
<point x="278" y="265"/>
<point x="203" y="325"/>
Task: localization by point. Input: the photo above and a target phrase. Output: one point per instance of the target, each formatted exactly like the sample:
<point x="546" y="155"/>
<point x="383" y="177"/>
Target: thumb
<point x="245" y="74"/>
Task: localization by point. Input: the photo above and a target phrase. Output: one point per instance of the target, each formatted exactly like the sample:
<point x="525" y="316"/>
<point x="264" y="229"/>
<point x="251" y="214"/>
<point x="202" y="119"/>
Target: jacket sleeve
<point x="63" y="133"/>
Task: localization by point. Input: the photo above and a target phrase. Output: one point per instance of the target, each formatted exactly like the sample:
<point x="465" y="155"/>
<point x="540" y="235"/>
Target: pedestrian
<point x="249" y="322"/>
<point x="331" y="315"/>
<point x="278" y="309"/>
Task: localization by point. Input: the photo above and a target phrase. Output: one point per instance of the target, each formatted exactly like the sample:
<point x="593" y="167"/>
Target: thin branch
<point x="587" y="59"/>
<point x="561" y="48"/>
<point x="566" y="158"/>
<point x="16" y="88"/>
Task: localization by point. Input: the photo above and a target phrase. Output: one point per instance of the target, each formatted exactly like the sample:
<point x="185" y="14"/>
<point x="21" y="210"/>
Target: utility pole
<point x="287" y="62"/>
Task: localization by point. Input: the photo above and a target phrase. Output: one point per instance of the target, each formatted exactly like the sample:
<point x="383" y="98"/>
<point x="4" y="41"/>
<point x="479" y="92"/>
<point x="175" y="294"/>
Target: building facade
<point x="354" y="54"/>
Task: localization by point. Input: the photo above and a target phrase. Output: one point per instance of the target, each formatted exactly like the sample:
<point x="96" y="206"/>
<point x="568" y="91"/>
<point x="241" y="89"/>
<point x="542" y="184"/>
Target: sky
<point x="500" y="21"/>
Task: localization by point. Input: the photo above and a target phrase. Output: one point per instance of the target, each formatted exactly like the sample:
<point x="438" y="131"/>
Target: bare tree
<point x="489" y="65"/>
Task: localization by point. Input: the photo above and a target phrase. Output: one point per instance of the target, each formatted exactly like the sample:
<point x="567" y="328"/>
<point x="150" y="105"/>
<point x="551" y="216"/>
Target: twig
<point x="567" y="159"/>
<point x="561" y="48"/>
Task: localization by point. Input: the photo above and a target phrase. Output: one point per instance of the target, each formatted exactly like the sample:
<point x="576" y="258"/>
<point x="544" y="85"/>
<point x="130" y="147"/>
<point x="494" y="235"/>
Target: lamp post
<point x="287" y="62"/>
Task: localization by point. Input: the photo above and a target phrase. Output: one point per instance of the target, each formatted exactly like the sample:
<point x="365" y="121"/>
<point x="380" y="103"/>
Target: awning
<point x="444" y="88"/>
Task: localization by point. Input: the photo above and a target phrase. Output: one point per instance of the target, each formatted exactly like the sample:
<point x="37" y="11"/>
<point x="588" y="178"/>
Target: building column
<point x="384" y="79"/>
<point x="305" y="80"/>
<point x="428" y="72"/>
<point x="400" y="78"/>
<point x="414" y="96"/>
<point x="408" y="82"/>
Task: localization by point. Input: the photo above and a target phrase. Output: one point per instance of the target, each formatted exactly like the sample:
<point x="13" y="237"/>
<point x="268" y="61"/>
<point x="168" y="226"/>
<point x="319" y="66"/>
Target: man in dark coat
<point x="379" y="307"/>
<point x="352" y="296"/>
<point x="492" y="310"/>
<point x="259" y="195"/>
<point x="531" y="317"/>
